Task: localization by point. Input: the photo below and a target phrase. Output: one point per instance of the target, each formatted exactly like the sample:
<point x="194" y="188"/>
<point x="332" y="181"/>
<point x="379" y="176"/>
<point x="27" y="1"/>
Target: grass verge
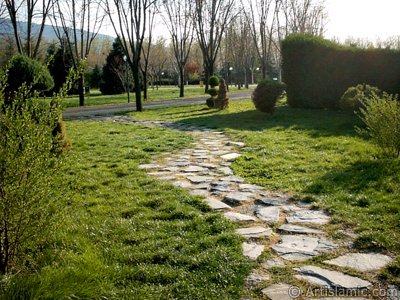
<point x="317" y="156"/>
<point x="125" y="235"/>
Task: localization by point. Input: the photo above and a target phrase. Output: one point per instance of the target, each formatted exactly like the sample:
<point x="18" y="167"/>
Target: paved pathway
<point x="293" y="231"/>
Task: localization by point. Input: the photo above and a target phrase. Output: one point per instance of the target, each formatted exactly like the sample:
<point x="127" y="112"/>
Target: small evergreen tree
<point x="113" y="78"/>
<point x="59" y="63"/>
<point x="94" y="77"/>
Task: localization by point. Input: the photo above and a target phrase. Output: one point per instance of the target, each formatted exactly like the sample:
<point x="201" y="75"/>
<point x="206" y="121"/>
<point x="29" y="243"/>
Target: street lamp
<point x="230" y="75"/>
<point x="126" y="76"/>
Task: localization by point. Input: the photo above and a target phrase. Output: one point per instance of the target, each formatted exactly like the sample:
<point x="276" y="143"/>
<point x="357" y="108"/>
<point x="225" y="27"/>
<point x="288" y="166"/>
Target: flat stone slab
<point x="271" y="201"/>
<point x="232" y="178"/>
<point x="331" y="279"/>
<point x="178" y="163"/>
<point x="363" y="262"/>
<point x="255" y="278"/>
<point x="194" y="169"/>
<point x="268" y="214"/>
<point x="199" y="192"/>
<point x="199" y="179"/>
<point x="253" y="188"/>
<point x="238" y="144"/>
<point x="237" y="217"/>
<point x="207" y="165"/>
<point x="230" y="156"/>
<point x="252" y="250"/>
<point x="225" y="170"/>
<point x="273" y="263"/>
<point x="216" y="204"/>
<point x="309" y="217"/>
<point x="182" y="184"/>
<point x="296" y="229"/>
<point x="149" y="166"/>
<point x="302" y="247"/>
<point x="238" y="198"/>
<point x="254" y="232"/>
<point x="280" y="291"/>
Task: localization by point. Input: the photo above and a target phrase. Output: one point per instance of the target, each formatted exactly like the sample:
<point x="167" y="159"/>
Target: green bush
<point x="213" y="81"/>
<point x="210" y="102"/>
<point x="354" y="96"/>
<point x="267" y="94"/>
<point x="213" y="92"/>
<point x="381" y="116"/>
<point x="317" y="71"/>
<point x="29" y="192"/>
<point x="34" y="74"/>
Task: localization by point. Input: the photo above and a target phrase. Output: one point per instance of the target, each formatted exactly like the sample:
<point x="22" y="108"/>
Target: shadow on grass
<point x="317" y="122"/>
<point x="359" y="177"/>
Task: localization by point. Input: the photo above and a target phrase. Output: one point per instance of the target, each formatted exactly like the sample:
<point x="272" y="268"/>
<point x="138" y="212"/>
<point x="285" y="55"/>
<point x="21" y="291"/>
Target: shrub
<point x="267" y="94"/>
<point x="354" y="96"/>
<point x="23" y="69"/>
<point x="29" y="192"/>
<point x="212" y="91"/>
<point x="317" y="71"/>
<point x="213" y="81"/>
<point x="381" y="116"/>
<point x="210" y="102"/>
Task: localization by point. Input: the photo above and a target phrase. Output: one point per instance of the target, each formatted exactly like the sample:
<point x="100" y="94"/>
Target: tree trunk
<point x="181" y="83"/>
<point x="144" y="86"/>
<point x="138" y="95"/>
<point x="81" y="90"/>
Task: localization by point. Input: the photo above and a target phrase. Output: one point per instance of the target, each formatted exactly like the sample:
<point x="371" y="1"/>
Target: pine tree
<point x="113" y="78"/>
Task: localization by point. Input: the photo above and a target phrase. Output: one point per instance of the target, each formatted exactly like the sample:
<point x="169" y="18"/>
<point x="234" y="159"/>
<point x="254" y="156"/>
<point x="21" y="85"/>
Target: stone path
<point x="266" y="220"/>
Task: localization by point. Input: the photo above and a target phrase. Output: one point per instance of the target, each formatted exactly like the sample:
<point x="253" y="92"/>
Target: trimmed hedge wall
<point x="317" y="71"/>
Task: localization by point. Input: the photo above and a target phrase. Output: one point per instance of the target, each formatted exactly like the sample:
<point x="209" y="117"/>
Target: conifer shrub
<point x="381" y="116"/>
<point x="213" y="81"/>
<point x="32" y="73"/>
<point x="266" y="95"/>
<point x="355" y="96"/>
<point x="318" y="72"/>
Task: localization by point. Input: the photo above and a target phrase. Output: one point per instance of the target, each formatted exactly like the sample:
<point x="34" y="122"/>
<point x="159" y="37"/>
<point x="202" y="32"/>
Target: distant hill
<point x="48" y="32"/>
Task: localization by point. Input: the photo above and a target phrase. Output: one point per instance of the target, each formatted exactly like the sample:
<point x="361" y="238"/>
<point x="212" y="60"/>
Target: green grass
<point x="125" y="235"/>
<point x="163" y="93"/>
<point x="316" y="155"/>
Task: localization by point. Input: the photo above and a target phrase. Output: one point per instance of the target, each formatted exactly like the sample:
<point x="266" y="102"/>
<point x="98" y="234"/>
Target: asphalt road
<point x="101" y="110"/>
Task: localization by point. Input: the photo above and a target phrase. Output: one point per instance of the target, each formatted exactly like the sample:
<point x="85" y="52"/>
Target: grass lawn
<point x="317" y="156"/>
<point x="163" y="93"/>
<point x="125" y="235"/>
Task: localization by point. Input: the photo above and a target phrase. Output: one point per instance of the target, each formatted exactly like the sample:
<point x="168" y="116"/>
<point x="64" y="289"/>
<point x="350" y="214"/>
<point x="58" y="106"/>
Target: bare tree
<point x="304" y="16"/>
<point x="178" y="19"/>
<point x="262" y="16"/>
<point x="129" y="20"/>
<point x="158" y="60"/>
<point x="77" y="23"/>
<point x="29" y="11"/>
<point x="212" y="17"/>
<point x="146" y="50"/>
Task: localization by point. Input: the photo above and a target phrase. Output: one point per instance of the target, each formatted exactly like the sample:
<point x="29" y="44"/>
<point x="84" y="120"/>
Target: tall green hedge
<point x="317" y="71"/>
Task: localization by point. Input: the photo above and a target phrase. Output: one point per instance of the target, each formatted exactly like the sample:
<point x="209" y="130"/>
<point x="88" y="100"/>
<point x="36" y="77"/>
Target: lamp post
<point x="126" y="76"/>
<point x="230" y="75"/>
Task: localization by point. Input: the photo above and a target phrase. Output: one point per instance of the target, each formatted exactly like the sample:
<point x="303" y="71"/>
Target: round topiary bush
<point x="212" y="92"/>
<point x="210" y="102"/>
<point x="353" y="98"/>
<point x="34" y="74"/>
<point x="213" y="81"/>
<point x="267" y="94"/>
